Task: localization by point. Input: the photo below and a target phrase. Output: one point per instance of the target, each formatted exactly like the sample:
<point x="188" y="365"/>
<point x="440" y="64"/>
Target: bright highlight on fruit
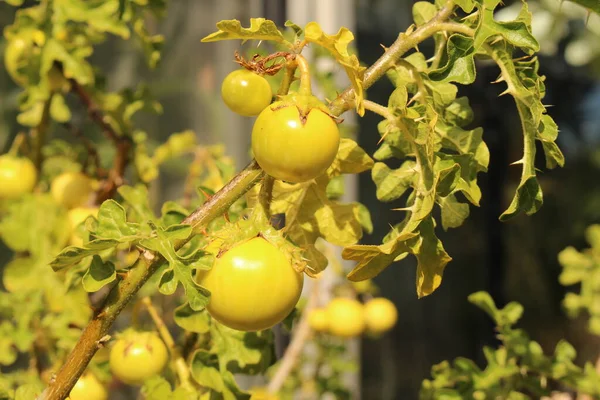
<point x="72" y="189"/>
<point x="380" y="315"/>
<point x="137" y="356"/>
<point x="17" y="176"/>
<point x="246" y="93"/>
<point x="253" y="286"/>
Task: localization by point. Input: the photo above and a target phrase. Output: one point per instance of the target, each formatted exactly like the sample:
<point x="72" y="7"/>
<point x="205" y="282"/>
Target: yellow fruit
<point x="77" y="216"/>
<point x="380" y="315"/>
<point x="362" y="286"/>
<point x="137" y="356"/>
<point x="317" y="319"/>
<point x="346" y="317"/>
<point x="17" y="176"/>
<point x="253" y="286"/>
<point x="88" y="387"/>
<point x="262" y="394"/>
<point x="72" y="189"/>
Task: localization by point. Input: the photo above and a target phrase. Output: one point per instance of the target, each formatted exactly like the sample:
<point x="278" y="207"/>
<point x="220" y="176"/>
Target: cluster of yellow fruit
<point x="73" y="191"/>
<point x="347" y="317"/>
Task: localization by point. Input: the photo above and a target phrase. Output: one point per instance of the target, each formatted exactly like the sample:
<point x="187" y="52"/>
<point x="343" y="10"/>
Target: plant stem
<point x="122" y="143"/>
<point x="180" y="366"/>
<point x="378" y="109"/>
<point x="39" y="135"/>
<point x="148" y="263"/>
<point x="404" y="43"/>
<point x="301" y="334"/>
<point x="305" y="88"/>
<point x="124" y="291"/>
<point x="266" y="195"/>
<point x="288" y="78"/>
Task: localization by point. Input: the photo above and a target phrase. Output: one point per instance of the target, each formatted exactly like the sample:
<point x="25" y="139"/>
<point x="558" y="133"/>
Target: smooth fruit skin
<point x="346" y="317"/>
<point x="138" y="356"/>
<point x="253" y="286"/>
<point x="380" y="315"/>
<point x="290" y="150"/>
<point x="88" y="387"/>
<point x="318" y="320"/>
<point x="72" y="189"/>
<point x="17" y="176"/>
<point x="76" y="216"/>
<point x="246" y="93"/>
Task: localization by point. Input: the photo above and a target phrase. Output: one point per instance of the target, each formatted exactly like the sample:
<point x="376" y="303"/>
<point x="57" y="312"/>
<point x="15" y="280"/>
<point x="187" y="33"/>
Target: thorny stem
<point x="123" y="144"/>
<point x="148" y="263"/>
<point x="183" y="372"/>
<point x="378" y="109"/>
<point x="124" y="291"/>
<point x="405" y="42"/>
<point x="299" y="337"/>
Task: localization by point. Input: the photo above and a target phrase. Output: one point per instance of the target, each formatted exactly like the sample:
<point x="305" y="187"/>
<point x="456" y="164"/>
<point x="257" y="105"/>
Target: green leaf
<point x="454" y="213"/>
<point x="391" y="184"/>
<point x="517" y="33"/>
<point x="28" y="392"/>
<point x="59" y="111"/>
<point x="337" y="45"/>
<point x="240" y="351"/>
<point x="98" y="275"/>
<point x="260" y="29"/>
<point x="350" y="159"/>
<point x="179" y="269"/>
<point x="137" y="198"/>
<point x="460" y="65"/>
<point x="72" y="255"/>
<point x="423" y="11"/>
<point x="192" y="320"/>
<point x="527" y="88"/>
<point x="484" y="301"/>
<point x="112" y="224"/>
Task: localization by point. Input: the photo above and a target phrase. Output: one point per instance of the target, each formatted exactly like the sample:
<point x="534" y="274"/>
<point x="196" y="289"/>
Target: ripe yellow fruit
<point x="137" y="356"/>
<point x="253" y="286"/>
<point x="72" y="189"/>
<point x="380" y="315"/>
<point x="346" y="317"/>
<point x="88" y="387"/>
<point x="17" y="176"/>
<point x="77" y="216"/>
<point x="317" y="319"/>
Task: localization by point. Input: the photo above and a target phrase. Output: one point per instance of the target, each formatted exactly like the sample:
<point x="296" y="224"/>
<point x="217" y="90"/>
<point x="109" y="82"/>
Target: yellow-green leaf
<point x="337" y="45"/>
<point x="260" y="29"/>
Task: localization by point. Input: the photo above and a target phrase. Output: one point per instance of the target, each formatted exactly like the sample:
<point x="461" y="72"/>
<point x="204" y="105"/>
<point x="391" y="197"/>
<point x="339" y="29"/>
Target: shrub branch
<point x="123" y="292"/>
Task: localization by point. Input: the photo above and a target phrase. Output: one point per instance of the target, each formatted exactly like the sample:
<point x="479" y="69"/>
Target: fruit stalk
<point x="93" y="336"/>
<point x="302" y="64"/>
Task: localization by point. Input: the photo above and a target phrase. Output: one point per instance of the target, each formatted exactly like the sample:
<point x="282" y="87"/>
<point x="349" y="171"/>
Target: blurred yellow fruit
<point x="346" y="317"/>
<point x="362" y="286"/>
<point x="72" y="189"/>
<point x="380" y="315"/>
<point x="317" y="319"/>
<point x="88" y="387"/>
<point x="261" y="393"/>
<point x="17" y="176"/>
<point x="76" y="217"/>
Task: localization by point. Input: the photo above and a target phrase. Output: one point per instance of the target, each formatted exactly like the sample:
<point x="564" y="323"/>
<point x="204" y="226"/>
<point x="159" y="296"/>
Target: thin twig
<point x="180" y="366"/>
<point x="122" y="143"/>
<point x="300" y="335"/>
<point x="265" y="195"/>
<point x="92" y="153"/>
